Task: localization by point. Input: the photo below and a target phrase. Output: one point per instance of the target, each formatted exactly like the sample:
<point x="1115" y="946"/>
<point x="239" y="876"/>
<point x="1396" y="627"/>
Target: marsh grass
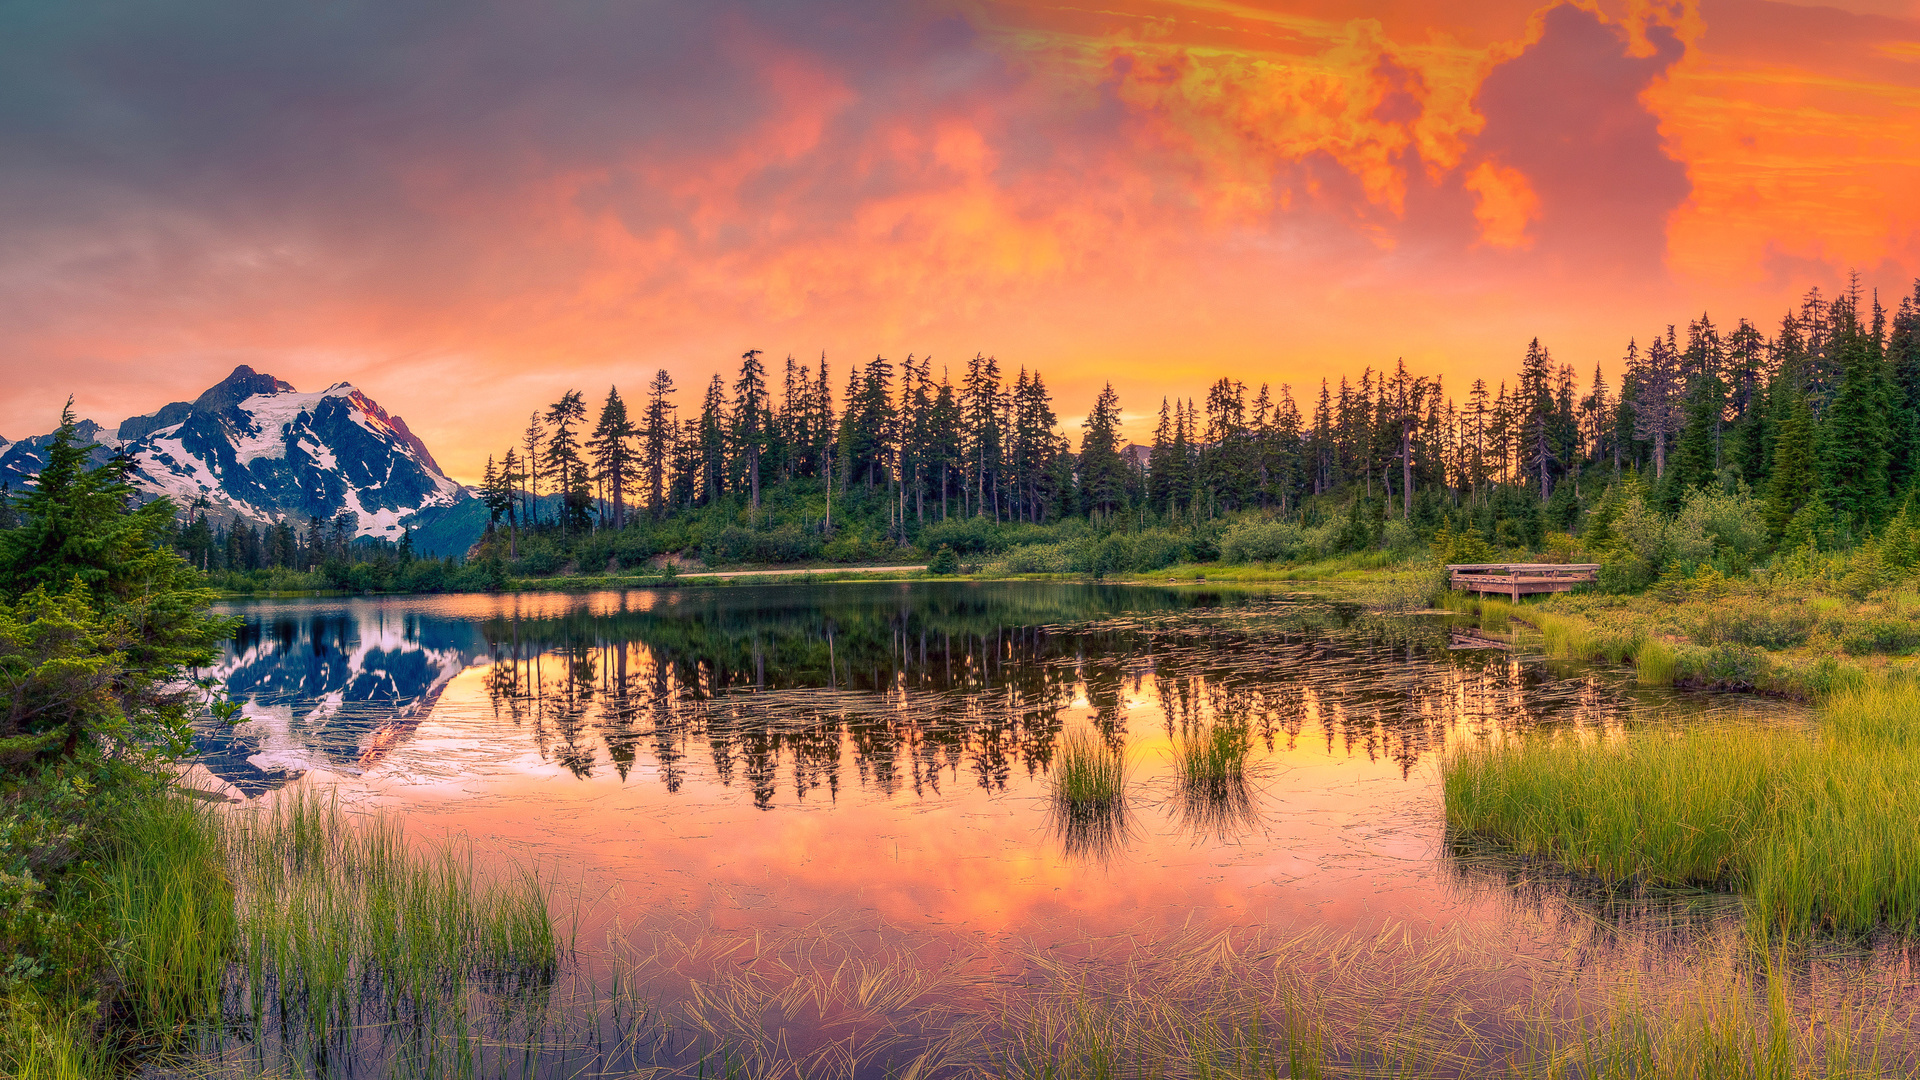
<point x="1210" y="769"/>
<point x="345" y="945"/>
<point x="668" y="999"/>
<point x="1089" y="805"/>
<point x="1385" y="1006"/>
<point x="1654" y="663"/>
<point x="166" y="885"/>
<point x="1814" y="829"/>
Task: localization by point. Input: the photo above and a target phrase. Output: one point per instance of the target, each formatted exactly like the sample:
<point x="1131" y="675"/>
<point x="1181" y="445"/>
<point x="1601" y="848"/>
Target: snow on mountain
<point x="257" y="450"/>
<point x="332" y="690"/>
<point x="20" y="462"/>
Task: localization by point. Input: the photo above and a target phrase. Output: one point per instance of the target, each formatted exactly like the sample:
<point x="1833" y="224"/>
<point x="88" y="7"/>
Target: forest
<point x="1758" y="440"/>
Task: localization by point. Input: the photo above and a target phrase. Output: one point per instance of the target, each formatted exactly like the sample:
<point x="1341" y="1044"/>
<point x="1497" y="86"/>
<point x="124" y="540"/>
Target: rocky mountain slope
<point x="256" y="450"/>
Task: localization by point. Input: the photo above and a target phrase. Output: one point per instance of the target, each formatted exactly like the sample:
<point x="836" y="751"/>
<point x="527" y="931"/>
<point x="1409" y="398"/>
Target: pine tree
<point x="613" y="453"/>
<point x="563" y="463"/>
<point x="749" y="420"/>
<point x="1657" y="404"/>
<point x="711" y="440"/>
<point x="1793" y="481"/>
<point x="1855" y="443"/>
<point x="981" y="408"/>
<point x="1693" y="464"/>
<point x="1103" y="479"/>
<point x="657" y="440"/>
<point x="531" y="441"/>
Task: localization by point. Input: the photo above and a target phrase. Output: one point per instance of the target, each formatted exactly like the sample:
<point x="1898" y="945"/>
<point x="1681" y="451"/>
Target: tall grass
<point x="343" y="928"/>
<point x="1089" y="794"/>
<point x="1654" y="663"/>
<point x="1210" y="767"/>
<point x="1815" y="830"/>
<point x="170" y="898"/>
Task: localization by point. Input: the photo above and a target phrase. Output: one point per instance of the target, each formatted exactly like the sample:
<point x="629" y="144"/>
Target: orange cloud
<point x="1507" y="203"/>
<point x="467" y="219"/>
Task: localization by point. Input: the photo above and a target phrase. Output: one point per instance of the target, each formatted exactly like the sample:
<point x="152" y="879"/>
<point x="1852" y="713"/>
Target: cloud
<point x="467" y="207"/>
<point x="1567" y="115"/>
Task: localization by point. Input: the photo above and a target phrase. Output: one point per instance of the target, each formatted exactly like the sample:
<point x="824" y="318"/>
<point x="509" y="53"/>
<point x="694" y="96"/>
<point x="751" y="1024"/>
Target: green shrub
<point x="1762" y="623"/>
<point x="944" y="561"/>
<point x="1735" y="667"/>
<point x="1262" y="541"/>
<point x="1886" y="635"/>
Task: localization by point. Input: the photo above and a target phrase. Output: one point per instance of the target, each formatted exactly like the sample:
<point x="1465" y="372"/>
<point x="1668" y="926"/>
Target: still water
<point x="871" y="761"/>
<point x="782" y="754"/>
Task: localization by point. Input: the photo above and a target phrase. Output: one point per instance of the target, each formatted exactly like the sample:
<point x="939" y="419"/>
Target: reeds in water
<point x="1815" y="830"/>
<point x="351" y="944"/>
<point x="1210" y="766"/>
<point x="1089" y="794"/>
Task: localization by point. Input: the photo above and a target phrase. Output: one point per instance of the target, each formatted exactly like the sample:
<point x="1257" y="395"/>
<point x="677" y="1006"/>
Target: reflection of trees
<point x="911" y="686"/>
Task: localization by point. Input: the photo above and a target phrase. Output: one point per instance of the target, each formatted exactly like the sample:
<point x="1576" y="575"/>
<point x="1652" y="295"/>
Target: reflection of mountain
<point x="335" y="688"/>
<point x="893" y="688"/>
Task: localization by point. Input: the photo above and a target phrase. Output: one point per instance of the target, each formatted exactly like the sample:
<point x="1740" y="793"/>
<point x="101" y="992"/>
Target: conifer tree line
<point x="1816" y="418"/>
<point x="1817" y="415"/>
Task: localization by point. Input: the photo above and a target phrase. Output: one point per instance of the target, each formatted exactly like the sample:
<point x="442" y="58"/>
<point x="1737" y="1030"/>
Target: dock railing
<point x="1520" y="579"/>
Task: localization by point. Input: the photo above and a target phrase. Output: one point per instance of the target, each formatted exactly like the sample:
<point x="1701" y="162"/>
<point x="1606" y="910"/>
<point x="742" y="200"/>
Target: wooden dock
<point x="1520" y="579"/>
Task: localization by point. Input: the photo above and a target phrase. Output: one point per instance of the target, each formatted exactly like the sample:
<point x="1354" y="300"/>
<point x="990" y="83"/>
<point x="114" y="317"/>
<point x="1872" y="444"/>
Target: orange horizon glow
<point x="1155" y="192"/>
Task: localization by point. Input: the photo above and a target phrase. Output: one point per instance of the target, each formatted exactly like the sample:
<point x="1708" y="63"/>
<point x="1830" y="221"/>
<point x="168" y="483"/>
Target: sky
<point x="466" y="207"/>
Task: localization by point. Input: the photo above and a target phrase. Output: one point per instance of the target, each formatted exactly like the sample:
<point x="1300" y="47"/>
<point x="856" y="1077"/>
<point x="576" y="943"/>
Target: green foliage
<point x="1464" y="547"/>
<point x="99" y="625"/>
<point x="944" y="561"/>
<point x="1813" y="830"/>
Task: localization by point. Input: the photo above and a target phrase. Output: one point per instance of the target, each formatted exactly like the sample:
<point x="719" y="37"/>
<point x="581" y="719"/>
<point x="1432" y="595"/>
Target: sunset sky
<point x="466" y="208"/>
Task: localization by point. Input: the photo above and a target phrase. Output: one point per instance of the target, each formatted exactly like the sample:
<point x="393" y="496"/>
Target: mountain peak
<point x="238" y="387"/>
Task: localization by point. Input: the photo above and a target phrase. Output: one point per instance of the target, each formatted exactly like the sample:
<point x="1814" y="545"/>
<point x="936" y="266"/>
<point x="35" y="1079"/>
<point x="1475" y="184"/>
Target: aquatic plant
<point x="1813" y="830"/>
<point x="1089" y="794"/>
<point x="1089" y="775"/>
<point x="1210" y="767"/>
<point x="1654" y="663"/>
<point x="166" y="885"/>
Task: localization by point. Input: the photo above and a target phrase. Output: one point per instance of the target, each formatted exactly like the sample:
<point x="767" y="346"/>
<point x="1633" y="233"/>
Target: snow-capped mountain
<point x="257" y="450"/>
<point x="21" y="461"/>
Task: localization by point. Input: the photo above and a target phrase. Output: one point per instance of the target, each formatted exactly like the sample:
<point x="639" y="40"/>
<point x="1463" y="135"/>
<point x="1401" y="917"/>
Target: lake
<point x="861" y="772"/>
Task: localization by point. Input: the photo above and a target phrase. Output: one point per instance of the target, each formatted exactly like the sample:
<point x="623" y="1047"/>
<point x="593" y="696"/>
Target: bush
<point x="1398" y="537"/>
<point x="944" y="561"/>
<point x="1881" y="636"/>
<point x="541" y="561"/>
<point x="1759" y="623"/>
<point x="1036" y="559"/>
<point x="1735" y="667"/>
<point x="1263" y="541"/>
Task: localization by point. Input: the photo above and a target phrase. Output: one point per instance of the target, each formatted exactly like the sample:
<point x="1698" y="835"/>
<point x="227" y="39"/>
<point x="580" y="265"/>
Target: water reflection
<point x="877" y="763"/>
<point x="798" y="692"/>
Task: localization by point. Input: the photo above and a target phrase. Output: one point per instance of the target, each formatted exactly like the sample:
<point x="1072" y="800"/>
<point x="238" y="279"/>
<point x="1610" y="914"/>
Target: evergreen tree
<point x="613" y="452"/>
<point x="1694" y="455"/>
<point x="657" y="441"/>
<point x="1793" y="481"/>
<point x="1103" y="480"/>
<point x="563" y="463"/>
<point x="1855" y="443"/>
<point x="749" y="420"/>
<point x="1657" y="407"/>
<point x="981" y="409"/>
<point x="711" y="442"/>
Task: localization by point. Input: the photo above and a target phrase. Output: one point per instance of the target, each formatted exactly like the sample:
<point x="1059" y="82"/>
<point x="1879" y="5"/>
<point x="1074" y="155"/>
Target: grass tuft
<point x="1655" y="663"/>
<point x="1089" y="794"/>
<point x="1210" y="765"/>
